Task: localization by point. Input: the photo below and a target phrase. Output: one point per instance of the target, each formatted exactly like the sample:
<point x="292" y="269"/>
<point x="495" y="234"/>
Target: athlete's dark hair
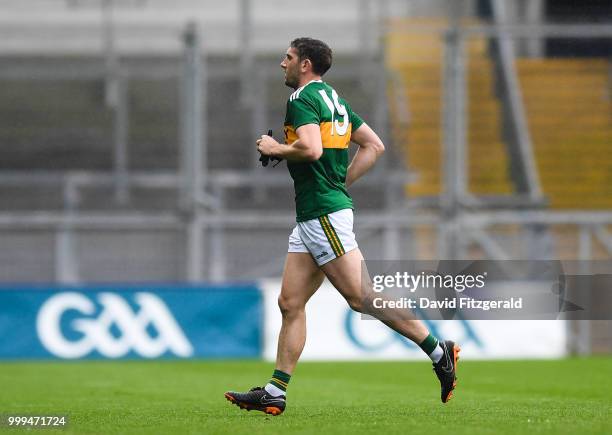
<point x="318" y="52"/>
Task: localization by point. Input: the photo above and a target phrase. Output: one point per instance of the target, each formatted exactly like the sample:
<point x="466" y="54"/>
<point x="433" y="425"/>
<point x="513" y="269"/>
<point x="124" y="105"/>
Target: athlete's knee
<point x="355" y="302"/>
<point x="290" y="306"/>
<point x="361" y="302"/>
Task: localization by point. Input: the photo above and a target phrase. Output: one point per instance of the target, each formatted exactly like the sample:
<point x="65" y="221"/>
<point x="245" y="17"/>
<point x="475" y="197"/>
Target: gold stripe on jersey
<point x="334" y="140"/>
<point x="328" y="140"/>
<point x="290" y="134"/>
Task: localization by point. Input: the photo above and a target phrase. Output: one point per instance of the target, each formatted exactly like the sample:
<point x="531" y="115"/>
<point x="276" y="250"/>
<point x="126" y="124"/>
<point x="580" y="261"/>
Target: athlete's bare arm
<point x="307" y="148"/>
<point x="370" y="149"/>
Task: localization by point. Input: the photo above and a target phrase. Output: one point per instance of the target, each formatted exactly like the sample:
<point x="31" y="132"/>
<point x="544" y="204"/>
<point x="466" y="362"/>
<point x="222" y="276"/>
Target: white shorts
<point x="325" y="238"/>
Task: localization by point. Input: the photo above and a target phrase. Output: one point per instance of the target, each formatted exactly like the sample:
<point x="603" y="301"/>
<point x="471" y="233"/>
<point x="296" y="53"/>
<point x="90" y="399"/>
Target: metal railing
<point x="518" y="118"/>
<point x="202" y="217"/>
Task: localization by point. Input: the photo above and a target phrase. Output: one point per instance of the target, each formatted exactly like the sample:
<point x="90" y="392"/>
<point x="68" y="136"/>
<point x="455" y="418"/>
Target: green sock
<point x="431" y="347"/>
<point x="429" y="344"/>
<point x="280" y="380"/>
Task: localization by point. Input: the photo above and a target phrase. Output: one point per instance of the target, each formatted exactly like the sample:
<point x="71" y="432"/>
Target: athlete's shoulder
<point x="308" y="92"/>
<point x="303" y="106"/>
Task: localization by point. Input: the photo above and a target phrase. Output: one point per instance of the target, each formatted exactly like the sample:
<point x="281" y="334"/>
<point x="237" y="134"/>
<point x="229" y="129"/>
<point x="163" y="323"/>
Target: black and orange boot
<point x="258" y="399"/>
<point x="446" y="369"/>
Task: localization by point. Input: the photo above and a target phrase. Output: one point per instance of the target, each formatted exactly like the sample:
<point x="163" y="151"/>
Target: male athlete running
<point x="319" y="125"/>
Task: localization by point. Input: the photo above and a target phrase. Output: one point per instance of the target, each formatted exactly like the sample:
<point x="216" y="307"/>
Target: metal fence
<point x="209" y="240"/>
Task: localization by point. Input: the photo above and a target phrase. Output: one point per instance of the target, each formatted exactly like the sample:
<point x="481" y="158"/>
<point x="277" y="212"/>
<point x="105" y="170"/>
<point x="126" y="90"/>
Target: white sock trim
<point x="274" y="390"/>
<point x="437" y="353"/>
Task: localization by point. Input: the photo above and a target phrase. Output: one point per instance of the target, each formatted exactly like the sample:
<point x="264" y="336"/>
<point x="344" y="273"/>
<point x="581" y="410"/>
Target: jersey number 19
<point x="336" y="108"/>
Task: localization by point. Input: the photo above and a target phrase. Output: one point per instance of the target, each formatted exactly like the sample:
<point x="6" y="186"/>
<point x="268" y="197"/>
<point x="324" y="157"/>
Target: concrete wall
<point x="154" y="26"/>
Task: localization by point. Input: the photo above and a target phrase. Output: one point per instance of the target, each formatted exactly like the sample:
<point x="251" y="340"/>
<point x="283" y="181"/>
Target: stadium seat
<point x="569" y="111"/>
<point x="417" y="60"/>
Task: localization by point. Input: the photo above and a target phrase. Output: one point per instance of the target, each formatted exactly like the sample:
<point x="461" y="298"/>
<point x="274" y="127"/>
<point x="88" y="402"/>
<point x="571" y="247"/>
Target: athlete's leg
<point x="301" y="279"/>
<point x="350" y="277"/>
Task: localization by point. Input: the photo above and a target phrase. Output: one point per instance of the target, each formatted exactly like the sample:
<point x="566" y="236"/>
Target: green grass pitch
<point x="566" y="396"/>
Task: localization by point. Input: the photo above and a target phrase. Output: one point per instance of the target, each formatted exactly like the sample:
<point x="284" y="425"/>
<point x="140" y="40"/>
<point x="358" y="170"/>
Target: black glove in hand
<point x="266" y="159"/>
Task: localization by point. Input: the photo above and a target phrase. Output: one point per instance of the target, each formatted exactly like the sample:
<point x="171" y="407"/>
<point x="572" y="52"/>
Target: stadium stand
<point x="417" y="59"/>
<point x="569" y="112"/>
<point x="54" y="121"/>
<point x="61" y="124"/>
<point x="569" y="106"/>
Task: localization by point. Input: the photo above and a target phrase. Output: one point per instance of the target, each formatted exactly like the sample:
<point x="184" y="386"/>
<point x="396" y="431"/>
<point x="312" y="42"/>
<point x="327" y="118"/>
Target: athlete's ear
<point x="306" y="63"/>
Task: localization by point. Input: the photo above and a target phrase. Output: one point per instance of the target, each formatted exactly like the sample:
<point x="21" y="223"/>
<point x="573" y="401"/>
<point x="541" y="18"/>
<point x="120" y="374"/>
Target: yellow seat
<point x="416" y="58"/>
<point x="570" y="119"/>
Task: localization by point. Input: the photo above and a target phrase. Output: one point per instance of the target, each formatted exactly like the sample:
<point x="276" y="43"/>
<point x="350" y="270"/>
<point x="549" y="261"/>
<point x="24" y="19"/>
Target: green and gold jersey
<point x="320" y="186"/>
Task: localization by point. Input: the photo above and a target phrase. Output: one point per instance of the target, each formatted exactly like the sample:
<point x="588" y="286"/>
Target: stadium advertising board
<point x="335" y="332"/>
<point x="143" y="321"/>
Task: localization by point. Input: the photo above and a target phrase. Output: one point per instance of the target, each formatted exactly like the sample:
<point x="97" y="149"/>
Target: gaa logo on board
<point x="114" y="330"/>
